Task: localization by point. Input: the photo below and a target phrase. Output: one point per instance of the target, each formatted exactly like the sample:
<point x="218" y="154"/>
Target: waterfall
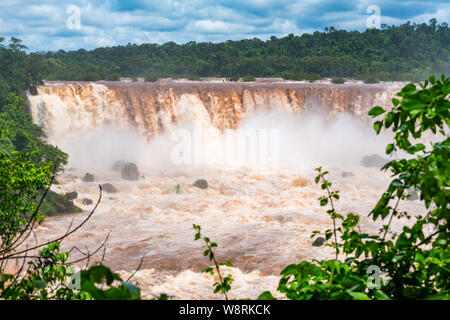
<point x="152" y="108"/>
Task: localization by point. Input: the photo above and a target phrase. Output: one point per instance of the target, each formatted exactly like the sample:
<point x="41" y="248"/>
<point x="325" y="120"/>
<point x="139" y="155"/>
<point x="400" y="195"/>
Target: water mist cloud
<point x="98" y="150"/>
<point x="301" y="142"/>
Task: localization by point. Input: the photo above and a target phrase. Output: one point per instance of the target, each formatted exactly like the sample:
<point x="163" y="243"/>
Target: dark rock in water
<point x="109" y="188"/>
<point x="33" y="90"/>
<point x="130" y="172"/>
<point x="119" y="165"/>
<point x="282" y="217"/>
<point x="347" y="174"/>
<point x="412" y="194"/>
<point x="373" y="161"/>
<point x="87" y="202"/>
<point x="320" y="241"/>
<point x="88" y="177"/>
<point x="201" y="183"/>
<point x="178" y="189"/>
<point x="55" y="204"/>
<point x="72" y="195"/>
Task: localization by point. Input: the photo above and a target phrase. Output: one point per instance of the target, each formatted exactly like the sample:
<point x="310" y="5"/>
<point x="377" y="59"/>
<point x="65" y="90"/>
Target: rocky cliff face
<point x="155" y="107"/>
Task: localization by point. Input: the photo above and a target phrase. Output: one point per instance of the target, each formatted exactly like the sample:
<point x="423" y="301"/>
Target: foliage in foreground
<point x="40" y="270"/>
<point x="415" y="263"/>
<point x="223" y="285"/>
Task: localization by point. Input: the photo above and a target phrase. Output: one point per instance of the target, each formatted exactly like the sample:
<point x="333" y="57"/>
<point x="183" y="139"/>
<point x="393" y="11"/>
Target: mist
<point x="272" y="140"/>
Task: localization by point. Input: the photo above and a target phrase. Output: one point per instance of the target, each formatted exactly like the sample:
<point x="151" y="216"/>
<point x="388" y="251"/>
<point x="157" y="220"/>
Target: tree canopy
<point x="407" y="52"/>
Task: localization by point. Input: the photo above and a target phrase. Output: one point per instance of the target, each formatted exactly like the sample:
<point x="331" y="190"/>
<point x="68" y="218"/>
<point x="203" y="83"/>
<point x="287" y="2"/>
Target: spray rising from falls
<point x="98" y="123"/>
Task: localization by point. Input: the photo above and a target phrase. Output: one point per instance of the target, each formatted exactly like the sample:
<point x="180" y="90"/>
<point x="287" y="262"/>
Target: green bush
<point x="248" y="78"/>
<point x="287" y="75"/>
<point x="56" y="204"/>
<point x="370" y="79"/>
<point x="152" y="77"/>
<point x="338" y="80"/>
<point x="311" y="77"/>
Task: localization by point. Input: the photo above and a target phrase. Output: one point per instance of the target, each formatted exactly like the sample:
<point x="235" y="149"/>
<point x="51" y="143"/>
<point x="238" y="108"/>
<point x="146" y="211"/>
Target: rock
<point x="282" y="217"/>
<point x="119" y="165"/>
<point x="320" y="241"/>
<point x="412" y="194"/>
<point x="130" y="172"/>
<point x="347" y="174"/>
<point x="201" y="183"/>
<point x="300" y="182"/>
<point x="87" y="202"/>
<point x="72" y="195"/>
<point x="56" y="204"/>
<point x="109" y="188"/>
<point x="88" y="177"/>
<point x="178" y="189"/>
<point x="33" y="90"/>
<point x="373" y="161"/>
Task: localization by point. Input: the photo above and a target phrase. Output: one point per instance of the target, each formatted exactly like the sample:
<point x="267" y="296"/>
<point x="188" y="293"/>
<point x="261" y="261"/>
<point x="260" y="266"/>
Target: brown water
<point x="260" y="216"/>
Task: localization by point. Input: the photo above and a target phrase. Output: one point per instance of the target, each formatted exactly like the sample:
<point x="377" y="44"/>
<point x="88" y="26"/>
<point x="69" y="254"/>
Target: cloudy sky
<point x="73" y="24"/>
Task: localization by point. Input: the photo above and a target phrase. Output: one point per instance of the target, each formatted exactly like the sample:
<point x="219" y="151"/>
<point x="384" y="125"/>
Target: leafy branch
<point x="224" y="283"/>
<point x="324" y="201"/>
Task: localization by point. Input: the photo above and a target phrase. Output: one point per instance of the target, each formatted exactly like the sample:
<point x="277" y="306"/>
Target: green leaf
<point x="39" y="284"/>
<point x="380" y="295"/>
<point x="266" y="295"/>
<point x="358" y="295"/>
<point x="376" y="111"/>
<point x="390" y="148"/>
<point x="377" y="126"/>
<point x="131" y="287"/>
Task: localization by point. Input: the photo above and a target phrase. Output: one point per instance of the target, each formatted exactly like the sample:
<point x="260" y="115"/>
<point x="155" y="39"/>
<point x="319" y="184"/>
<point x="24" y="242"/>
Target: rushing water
<point x="261" y="216"/>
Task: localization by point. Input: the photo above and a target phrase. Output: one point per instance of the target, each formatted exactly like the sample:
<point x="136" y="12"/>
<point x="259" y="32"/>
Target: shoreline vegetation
<point x="408" y="52"/>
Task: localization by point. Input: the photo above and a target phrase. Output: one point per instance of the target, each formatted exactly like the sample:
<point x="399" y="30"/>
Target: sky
<point x="74" y="24"/>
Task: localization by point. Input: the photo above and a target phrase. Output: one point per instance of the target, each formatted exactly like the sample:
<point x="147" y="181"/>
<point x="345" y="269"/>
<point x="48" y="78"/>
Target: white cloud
<point x="210" y="26"/>
<point x="42" y="24"/>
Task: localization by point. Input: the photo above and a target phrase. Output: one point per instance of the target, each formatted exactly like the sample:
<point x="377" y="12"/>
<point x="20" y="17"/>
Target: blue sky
<point x="43" y="25"/>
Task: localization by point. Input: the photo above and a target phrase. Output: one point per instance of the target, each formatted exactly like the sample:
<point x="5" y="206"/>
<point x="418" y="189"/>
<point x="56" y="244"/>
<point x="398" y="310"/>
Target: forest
<point x="408" y="52"/>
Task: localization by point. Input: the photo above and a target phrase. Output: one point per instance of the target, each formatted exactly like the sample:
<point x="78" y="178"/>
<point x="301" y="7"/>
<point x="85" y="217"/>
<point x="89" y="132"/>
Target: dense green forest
<point x="19" y="70"/>
<point x="18" y="133"/>
<point x="407" y="52"/>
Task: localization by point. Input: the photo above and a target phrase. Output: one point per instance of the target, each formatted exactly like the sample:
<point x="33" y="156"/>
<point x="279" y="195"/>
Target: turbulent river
<point x="261" y="204"/>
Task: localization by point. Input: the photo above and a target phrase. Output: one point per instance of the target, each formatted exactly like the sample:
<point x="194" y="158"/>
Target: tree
<point x="405" y="52"/>
<point x="47" y="274"/>
<point x="21" y="134"/>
